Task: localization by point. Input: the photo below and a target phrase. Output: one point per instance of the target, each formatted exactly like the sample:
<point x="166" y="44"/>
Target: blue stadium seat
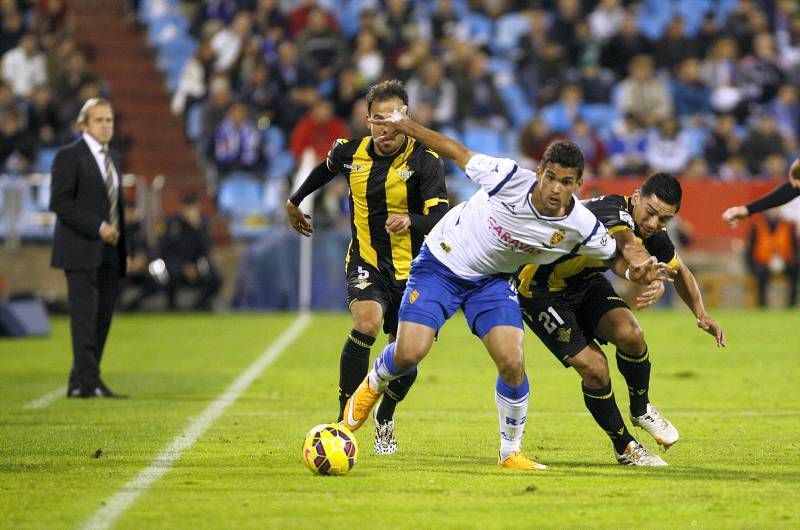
<point x="517" y="107"/>
<point x="483" y="139"/>
<point x="194" y="122"/>
<point x="480" y="28"/>
<point x="508" y="30"/>
<point x="44" y="160"/>
<point x="239" y="196"/>
<point x="600" y="117"/>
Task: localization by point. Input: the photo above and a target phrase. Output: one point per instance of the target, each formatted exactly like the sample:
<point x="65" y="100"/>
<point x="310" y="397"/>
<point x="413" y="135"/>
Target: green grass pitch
<point x="737" y="464"/>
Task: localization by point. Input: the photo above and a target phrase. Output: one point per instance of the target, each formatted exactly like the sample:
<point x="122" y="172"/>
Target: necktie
<point x="111" y="190"/>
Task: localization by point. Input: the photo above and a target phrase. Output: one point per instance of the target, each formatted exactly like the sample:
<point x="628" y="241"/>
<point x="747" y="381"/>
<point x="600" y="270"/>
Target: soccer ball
<point x="330" y="449"/>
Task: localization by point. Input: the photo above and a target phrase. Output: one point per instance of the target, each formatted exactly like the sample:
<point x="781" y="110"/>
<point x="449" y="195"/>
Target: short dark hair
<point x="566" y="154"/>
<point x="387" y="90"/>
<point x="664" y="186"/>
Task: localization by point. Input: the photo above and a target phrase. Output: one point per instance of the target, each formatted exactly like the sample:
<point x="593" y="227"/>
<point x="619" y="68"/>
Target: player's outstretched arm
<point x="298" y="219"/>
<point x="688" y="290"/>
<point x="777" y="197"/>
<point x="400" y="122"/>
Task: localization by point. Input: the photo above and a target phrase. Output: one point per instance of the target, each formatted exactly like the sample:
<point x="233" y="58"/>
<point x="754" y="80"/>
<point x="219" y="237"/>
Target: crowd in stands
<point x="695" y="87"/>
<point x="44" y="79"/>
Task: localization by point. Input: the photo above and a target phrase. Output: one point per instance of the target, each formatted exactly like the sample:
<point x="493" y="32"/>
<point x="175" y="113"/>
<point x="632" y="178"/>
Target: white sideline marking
<point x="45" y="400"/>
<point x="116" y="505"/>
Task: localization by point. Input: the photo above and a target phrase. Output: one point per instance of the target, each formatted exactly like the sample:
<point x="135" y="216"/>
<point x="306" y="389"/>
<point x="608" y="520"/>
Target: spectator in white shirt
<point x="24" y="66"/>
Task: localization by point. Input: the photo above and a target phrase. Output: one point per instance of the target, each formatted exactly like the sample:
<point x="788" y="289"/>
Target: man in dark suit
<point x="89" y="241"/>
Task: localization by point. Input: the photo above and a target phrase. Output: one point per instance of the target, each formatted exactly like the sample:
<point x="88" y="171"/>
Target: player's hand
<point x="707" y="324"/>
<point x="794" y="173"/>
<point x="398" y="223"/>
<point x="650" y="295"/>
<point x="649" y="271"/>
<point x="299" y="220"/>
<point x="392" y="124"/>
<point x="734" y="214"/>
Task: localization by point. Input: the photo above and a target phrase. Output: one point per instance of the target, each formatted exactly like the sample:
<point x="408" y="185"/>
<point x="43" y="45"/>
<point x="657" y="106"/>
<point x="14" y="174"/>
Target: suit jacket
<point x="78" y="198"/>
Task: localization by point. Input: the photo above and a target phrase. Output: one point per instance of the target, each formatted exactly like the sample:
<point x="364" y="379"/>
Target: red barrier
<point x="703" y="203"/>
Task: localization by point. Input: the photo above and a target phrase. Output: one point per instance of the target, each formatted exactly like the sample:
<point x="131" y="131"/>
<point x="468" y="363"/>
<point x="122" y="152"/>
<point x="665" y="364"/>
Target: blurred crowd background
<point x="705" y="89"/>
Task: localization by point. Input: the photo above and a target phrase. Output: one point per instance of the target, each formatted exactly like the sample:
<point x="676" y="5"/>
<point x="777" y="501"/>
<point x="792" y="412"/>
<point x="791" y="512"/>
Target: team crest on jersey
<point x="405" y="173"/>
<point x="557" y="237"/>
<point x="412" y="297"/>
<point x="564" y="335"/>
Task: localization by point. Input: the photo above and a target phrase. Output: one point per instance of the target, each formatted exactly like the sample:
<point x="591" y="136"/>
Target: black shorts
<point x="365" y="282"/>
<point x="565" y="321"/>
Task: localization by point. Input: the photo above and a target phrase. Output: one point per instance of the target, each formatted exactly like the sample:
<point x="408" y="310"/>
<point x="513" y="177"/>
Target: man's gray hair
<point x="83" y="115"/>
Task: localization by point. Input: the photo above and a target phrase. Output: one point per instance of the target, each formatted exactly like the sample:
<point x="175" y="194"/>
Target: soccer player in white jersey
<point x="517" y="217"/>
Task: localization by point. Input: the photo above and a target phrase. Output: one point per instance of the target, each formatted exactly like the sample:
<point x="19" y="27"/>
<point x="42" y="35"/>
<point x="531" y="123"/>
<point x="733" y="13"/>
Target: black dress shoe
<point x="100" y="390"/>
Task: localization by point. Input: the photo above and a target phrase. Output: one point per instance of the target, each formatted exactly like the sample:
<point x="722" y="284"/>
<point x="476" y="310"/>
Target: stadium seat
<point x="600" y="117"/>
<point x="484" y="139"/>
<point x="517" y="107"/>
<point x="508" y="30"/>
<point x="44" y="160"/>
<point x="239" y="195"/>
<point x="480" y="28"/>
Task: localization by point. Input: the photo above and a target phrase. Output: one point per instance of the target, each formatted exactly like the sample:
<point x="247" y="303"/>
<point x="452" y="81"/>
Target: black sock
<point x="353" y="365"/>
<point x="636" y="370"/>
<point x="603" y="406"/>
<point x="395" y="392"/>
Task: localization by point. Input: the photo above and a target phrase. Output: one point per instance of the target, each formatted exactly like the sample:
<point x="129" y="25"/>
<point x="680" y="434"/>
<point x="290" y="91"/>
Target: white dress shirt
<point x="99" y="157"/>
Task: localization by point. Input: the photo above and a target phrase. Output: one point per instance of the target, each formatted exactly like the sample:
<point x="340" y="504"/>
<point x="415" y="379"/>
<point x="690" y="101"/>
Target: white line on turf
<point x="116" y="505"/>
<point x="45" y="400"/>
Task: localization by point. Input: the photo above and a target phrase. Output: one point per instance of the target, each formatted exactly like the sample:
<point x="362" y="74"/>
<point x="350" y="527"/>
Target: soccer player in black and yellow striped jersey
<point x="397" y="194"/>
<point x="572" y="307"/>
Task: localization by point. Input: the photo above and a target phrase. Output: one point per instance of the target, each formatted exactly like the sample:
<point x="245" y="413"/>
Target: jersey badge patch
<point x="564" y="334"/>
<point x="405" y="173"/>
<point x="557" y="237"/>
<point x="412" y="297"/>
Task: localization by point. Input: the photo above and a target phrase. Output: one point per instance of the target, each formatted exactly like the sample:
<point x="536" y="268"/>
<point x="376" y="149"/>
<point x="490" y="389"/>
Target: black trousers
<point x="92" y="295"/>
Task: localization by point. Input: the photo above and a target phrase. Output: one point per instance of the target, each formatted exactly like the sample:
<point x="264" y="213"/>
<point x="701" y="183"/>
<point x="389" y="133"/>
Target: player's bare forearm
<point x="688" y="290"/>
<point x="444" y="145"/>
<point x="399" y="121"/>
<point x="630" y="248"/>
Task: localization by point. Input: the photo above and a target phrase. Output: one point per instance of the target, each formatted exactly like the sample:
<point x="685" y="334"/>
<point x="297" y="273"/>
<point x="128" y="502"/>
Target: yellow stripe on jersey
<point x="673" y="263"/>
<point x="619" y="228"/>
<point x="397" y="202"/>
<point x="525" y="278"/>
<point x="431" y="203"/>
<point x="358" y="189"/>
<point x="431" y="151"/>
<point x="557" y="281"/>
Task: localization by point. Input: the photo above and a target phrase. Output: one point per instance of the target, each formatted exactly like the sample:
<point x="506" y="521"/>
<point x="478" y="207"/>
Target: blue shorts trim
<point x="434" y="293"/>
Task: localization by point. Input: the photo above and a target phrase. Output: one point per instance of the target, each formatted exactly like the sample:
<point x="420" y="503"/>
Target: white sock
<point x="513" y="413"/>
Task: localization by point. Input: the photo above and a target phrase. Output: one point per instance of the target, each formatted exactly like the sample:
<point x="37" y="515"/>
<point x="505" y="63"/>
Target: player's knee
<point x="511" y="368"/>
<point x="368" y="324"/>
<point x="631" y="339"/>
<point x="593" y="371"/>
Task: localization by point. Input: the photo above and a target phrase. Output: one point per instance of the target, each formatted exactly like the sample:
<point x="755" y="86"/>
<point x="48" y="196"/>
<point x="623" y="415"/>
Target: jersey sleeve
<point x="660" y="246"/>
<point x="336" y="155"/>
<point x="611" y="211"/>
<point x="598" y="244"/>
<point x="431" y="181"/>
<point x="492" y="174"/>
